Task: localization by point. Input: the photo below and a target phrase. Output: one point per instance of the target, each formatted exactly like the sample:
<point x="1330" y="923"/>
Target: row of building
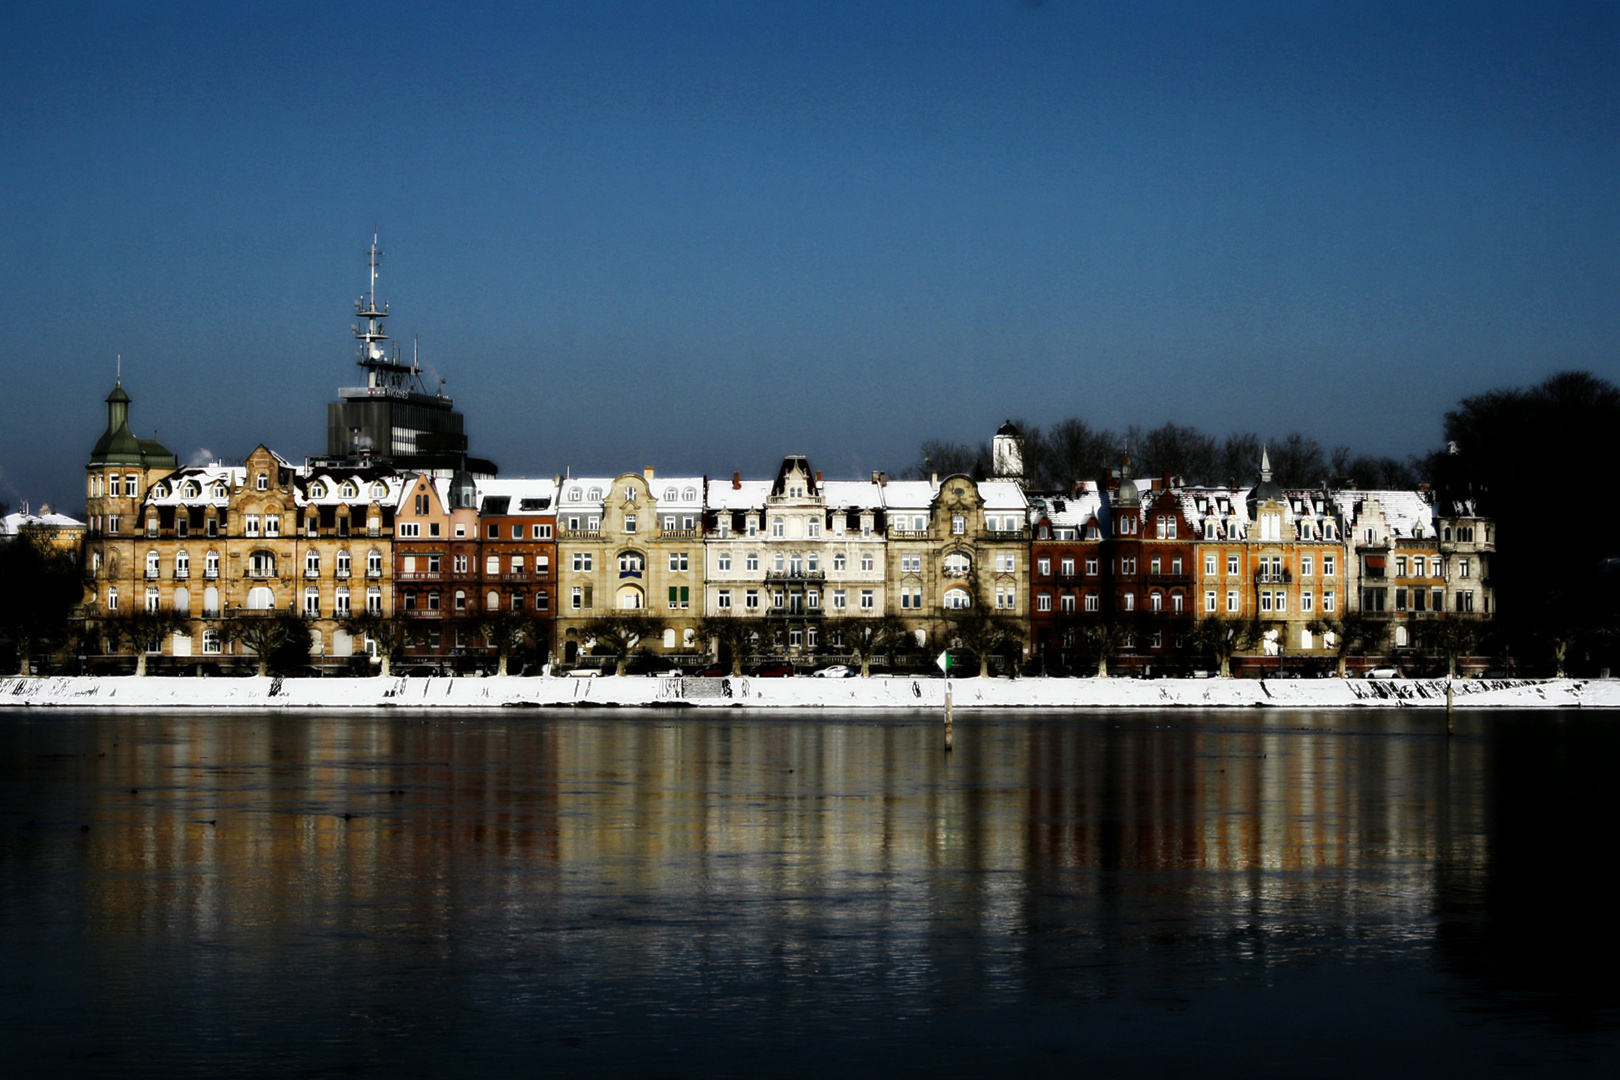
<point x="397" y="519"/>
<point x="802" y="553"/>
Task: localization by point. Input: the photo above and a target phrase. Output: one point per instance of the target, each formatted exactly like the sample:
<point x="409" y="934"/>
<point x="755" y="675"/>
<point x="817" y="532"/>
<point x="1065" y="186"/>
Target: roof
<point x="18" y="520"/>
<point x="518" y="497"/>
<point x="737" y="494"/>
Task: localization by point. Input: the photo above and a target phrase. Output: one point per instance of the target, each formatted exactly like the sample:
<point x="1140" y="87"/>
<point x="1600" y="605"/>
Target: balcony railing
<point x="181" y="574"/>
<point x="372" y="572"/>
<point x="795" y="575"/>
<point x="678" y="534"/>
<point x="417" y="575"/>
<point x="211" y="574"/>
<point x="342" y="572"/>
<point x="1284" y="576"/>
<point x="312" y="572"/>
<point x="579" y="534"/>
<point x="908" y="534"/>
<point x="151" y="573"/>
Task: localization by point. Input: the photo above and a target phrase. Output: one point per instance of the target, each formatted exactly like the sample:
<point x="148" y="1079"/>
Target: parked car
<point x="584" y="673"/>
<point x="714" y="671"/>
<point x="835" y="671"/>
<point x="776" y="669"/>
<point x="421" y="671"/>
<point x="1383" y="673"/>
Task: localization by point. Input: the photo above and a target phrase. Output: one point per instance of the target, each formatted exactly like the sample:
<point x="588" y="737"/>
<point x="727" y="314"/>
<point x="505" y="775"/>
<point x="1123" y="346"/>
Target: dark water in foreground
<point x="1174" y="894"/>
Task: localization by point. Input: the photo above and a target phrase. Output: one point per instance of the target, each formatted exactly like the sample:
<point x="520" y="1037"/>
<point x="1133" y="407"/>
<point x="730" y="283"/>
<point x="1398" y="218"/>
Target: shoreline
<point x="881" y="692"/>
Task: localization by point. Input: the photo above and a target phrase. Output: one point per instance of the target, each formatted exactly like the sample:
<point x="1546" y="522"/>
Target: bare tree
<point x="505" y="631"/>
<point x="620" y="633"/>
<point x="1223" y="638"/>
<point x="1297" y="461"/>
<point x="982" y="634"/>
<point x="736" y="633"/>
<point x="1452" y="635"/>
<point x="1352" y="632"/>
<point x="1177" y="451"/>
<point x="144" y="631"/>
<point x="1103" y="638"/>
<point x="392" y="634"/>
<point x="1072" y="450"/>
<point x="867" y="637"/>
<point x="39" y="588"/>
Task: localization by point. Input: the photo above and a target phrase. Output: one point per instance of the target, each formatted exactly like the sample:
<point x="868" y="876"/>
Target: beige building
<point x="794" y="551"/>
<point x="633" y="542"/>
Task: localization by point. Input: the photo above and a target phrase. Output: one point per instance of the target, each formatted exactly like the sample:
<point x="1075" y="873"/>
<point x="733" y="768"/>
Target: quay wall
<point x="158" y="692"/>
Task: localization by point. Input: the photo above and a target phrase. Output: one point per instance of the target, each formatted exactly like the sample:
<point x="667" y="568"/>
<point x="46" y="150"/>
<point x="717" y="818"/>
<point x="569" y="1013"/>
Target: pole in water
<point x="1451" y="722"/>
<point x="944" y="663"/>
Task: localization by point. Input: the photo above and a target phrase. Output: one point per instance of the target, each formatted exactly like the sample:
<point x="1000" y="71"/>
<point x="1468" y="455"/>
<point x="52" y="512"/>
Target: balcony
<point x="312" y="572"/>
<point x="374" y="572"/>
<point x="908" y="534"/>
<point x="1171" y="578"/>
<point x="343" y="572"/>
<point x="151" y="573"/>
<point x="1284" y="576"/>
<point x="792" y="575"/>
<point x="182" y="573"/>
<point x="579" y="534"/>
<point x="679" y="534"/>
<point x="416" y="575"/>
<point x="211" y="574"/>
<point x="519" y="576"/>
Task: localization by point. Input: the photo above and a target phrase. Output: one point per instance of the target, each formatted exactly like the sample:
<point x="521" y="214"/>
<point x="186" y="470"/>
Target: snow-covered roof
<point x="1066" y="510"/>
<point x="584" y="492"/>
<point x="327" y="487"/>
<point x="46" y="519"/>
<point x="852" y="494"/>
<point x="734" y="495"/>
<point x="195" y="485"/>
<point x="684" y="493"/>
<point x="908" y="494"/>
<point x="518" y="496"/>
<point x="1002" y="495"/>
<point x="1407" y="513"/>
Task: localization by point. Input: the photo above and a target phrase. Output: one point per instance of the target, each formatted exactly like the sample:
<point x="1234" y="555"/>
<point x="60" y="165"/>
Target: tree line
<point x="1072" y="450"/>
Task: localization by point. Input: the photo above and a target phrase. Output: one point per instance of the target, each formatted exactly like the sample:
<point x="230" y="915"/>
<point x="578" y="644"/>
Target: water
<point x="1180" y="893"/>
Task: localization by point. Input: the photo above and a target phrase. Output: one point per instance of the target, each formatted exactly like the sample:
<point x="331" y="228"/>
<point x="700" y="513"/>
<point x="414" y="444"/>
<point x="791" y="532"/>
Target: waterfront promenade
<point x="156" y="692"/>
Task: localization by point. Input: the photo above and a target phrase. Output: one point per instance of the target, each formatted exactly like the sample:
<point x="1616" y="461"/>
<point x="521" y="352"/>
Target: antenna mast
<point x="383" y="368"/>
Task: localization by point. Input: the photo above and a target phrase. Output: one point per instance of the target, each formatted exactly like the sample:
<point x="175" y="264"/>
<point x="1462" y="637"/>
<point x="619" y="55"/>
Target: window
<point x="723" y="561"/>
<point x="182" y="564"/>
<point x="631" y="564"/>
<point x="517" y="565"/>
<point x="1043" y="602"/>
<point x="752" y="561"/>
<point x="1282" y="600"/>
<point x="1066" y="567"/>
<point x="629" y="523"/>
<point x="542" y="600"/>
<point x="112" y="599"/>
<point x="1306" y="564"/>
<point x="1231" y="564"/>
<point x="1155" y="601"/>
<point x="262" y="482"/>
<point x="1128" y="602"/>
<point x="1400" y="566"/>
<point x="1006" y="599"/>
<point x="751" y="599"/>
<point x="1463" y="568"/>
<point x="374" y="600"/>
<point x="459" y="600"/>
<point x="151" y="564"/>
<point x="911" y="598"/>
<point x="211" y="642"/>
<point x="492" y="564"/>
<point x="312" y="602"/>
<point x="1043" y="567"/>
<point x="152" y="598"/>
<point x="1093" y="602"/>
<point x="722" y="600"/>
<point x="112" y="523"/>
<point x="957" y="599"/>
<point x="1127" y="565"/>
<point x="540" y="532"/>
<point x="1091" y="567"/>
<point x="678" y="561"/>
<point x="1231" y="600"/>
<point x="1306" y="601"/>
<point x="582" y="561"/>
<point x="778" y="527"/>
<point x="1209" y="600"/>
<point x="958" y="524"/>
<point x="250" y="525"/>
<point x="1006" y="564"/>
<point x="374" y="563"/>
<point x="1154" y="567"/>
<point x="410" y="529"/>
<point x="151" y="526"/>
<point x="574" y="600"/>
<point x="261" y="564"/>
<point x="1176" y="602"/>
<point x="211" y="564"/>
<point x="839" y="600"/>
<point x="312" y="564"/>
<point x="1327" y="600"/>
<point x="680" y="596"/>
<point x="866" y="563"/>
<point x="492" y="601"/>
<point x="340" y="602"/>
<point x="1329" y="566"/>
<point x="493" y="532"/>
<point x="1465" y="601"/>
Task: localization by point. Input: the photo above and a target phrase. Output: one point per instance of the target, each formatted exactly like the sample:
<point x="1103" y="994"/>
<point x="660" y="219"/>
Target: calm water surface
<point x="1197" y="894"/>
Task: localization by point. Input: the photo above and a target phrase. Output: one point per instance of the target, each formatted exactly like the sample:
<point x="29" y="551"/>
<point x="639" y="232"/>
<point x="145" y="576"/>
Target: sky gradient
<point x="701" y="236"/>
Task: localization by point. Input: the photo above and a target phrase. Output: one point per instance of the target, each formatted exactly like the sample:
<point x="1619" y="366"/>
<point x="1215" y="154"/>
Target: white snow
<point x="876" y="693"/>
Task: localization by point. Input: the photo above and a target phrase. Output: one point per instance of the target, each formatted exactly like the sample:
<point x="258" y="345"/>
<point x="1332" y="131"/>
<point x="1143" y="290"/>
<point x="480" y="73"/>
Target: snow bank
<point x="876" y="693"/>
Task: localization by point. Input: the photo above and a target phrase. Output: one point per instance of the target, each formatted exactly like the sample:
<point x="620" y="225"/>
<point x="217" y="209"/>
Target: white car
<point x="835" y="671"/>
<point x="1383" y="673"/>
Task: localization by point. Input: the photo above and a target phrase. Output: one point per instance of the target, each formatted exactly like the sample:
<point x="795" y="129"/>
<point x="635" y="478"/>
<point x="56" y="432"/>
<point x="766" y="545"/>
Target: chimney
<point x="874" y="476"/>
<point x="818" y="477"/>
<point x="736" y="481"/>
<point x="647" y="472"/>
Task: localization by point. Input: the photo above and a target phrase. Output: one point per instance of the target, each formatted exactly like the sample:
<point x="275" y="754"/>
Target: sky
<point x="701" y="236"/>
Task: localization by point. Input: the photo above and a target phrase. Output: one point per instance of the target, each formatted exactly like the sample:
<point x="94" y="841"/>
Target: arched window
<point x="631" y="563"/>
<point x="312" y="564"/>
<point x="260" y="598"/>
<point x="958" y="565"/>
<point x="958" y="599"/>
<point x="312" y="602"/>
<point x="151" y="564"/>
<point x="343" y="564"/>
<point x="492" y="601"/>
<point x="631" y="599"/>
<point x="190" y="490"/>
<point x="261" y="564"/>
<point x="670" y="495"/>
<point x="182" y="601"/>
<point x="182" y="564"/>
<point x="374" y="563"/>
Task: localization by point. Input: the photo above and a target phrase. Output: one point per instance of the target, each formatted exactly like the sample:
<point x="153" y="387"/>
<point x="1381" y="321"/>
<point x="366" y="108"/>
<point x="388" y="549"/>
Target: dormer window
<point x="379" y="490"/>
<point x="262" y="482"/>
<point x="689" y="495"/>
<point x="219" y="491"/>
<point x="593" y="495"/>
<point x="349" y="490"/>
<point x="317" y="490"/>
<point x="190" y="490"/>
<point x="670" y="495"/>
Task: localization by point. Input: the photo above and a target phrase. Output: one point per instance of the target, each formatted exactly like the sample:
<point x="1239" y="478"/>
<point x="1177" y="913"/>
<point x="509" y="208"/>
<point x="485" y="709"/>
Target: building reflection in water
<point x="793" y="869"/>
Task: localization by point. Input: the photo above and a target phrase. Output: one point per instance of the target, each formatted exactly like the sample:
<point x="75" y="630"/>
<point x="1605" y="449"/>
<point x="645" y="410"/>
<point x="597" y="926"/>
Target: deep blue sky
<point x="700" y="236"/>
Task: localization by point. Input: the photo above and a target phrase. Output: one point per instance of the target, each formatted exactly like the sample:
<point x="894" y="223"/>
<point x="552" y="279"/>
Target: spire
<point x="1265" y="466"/>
